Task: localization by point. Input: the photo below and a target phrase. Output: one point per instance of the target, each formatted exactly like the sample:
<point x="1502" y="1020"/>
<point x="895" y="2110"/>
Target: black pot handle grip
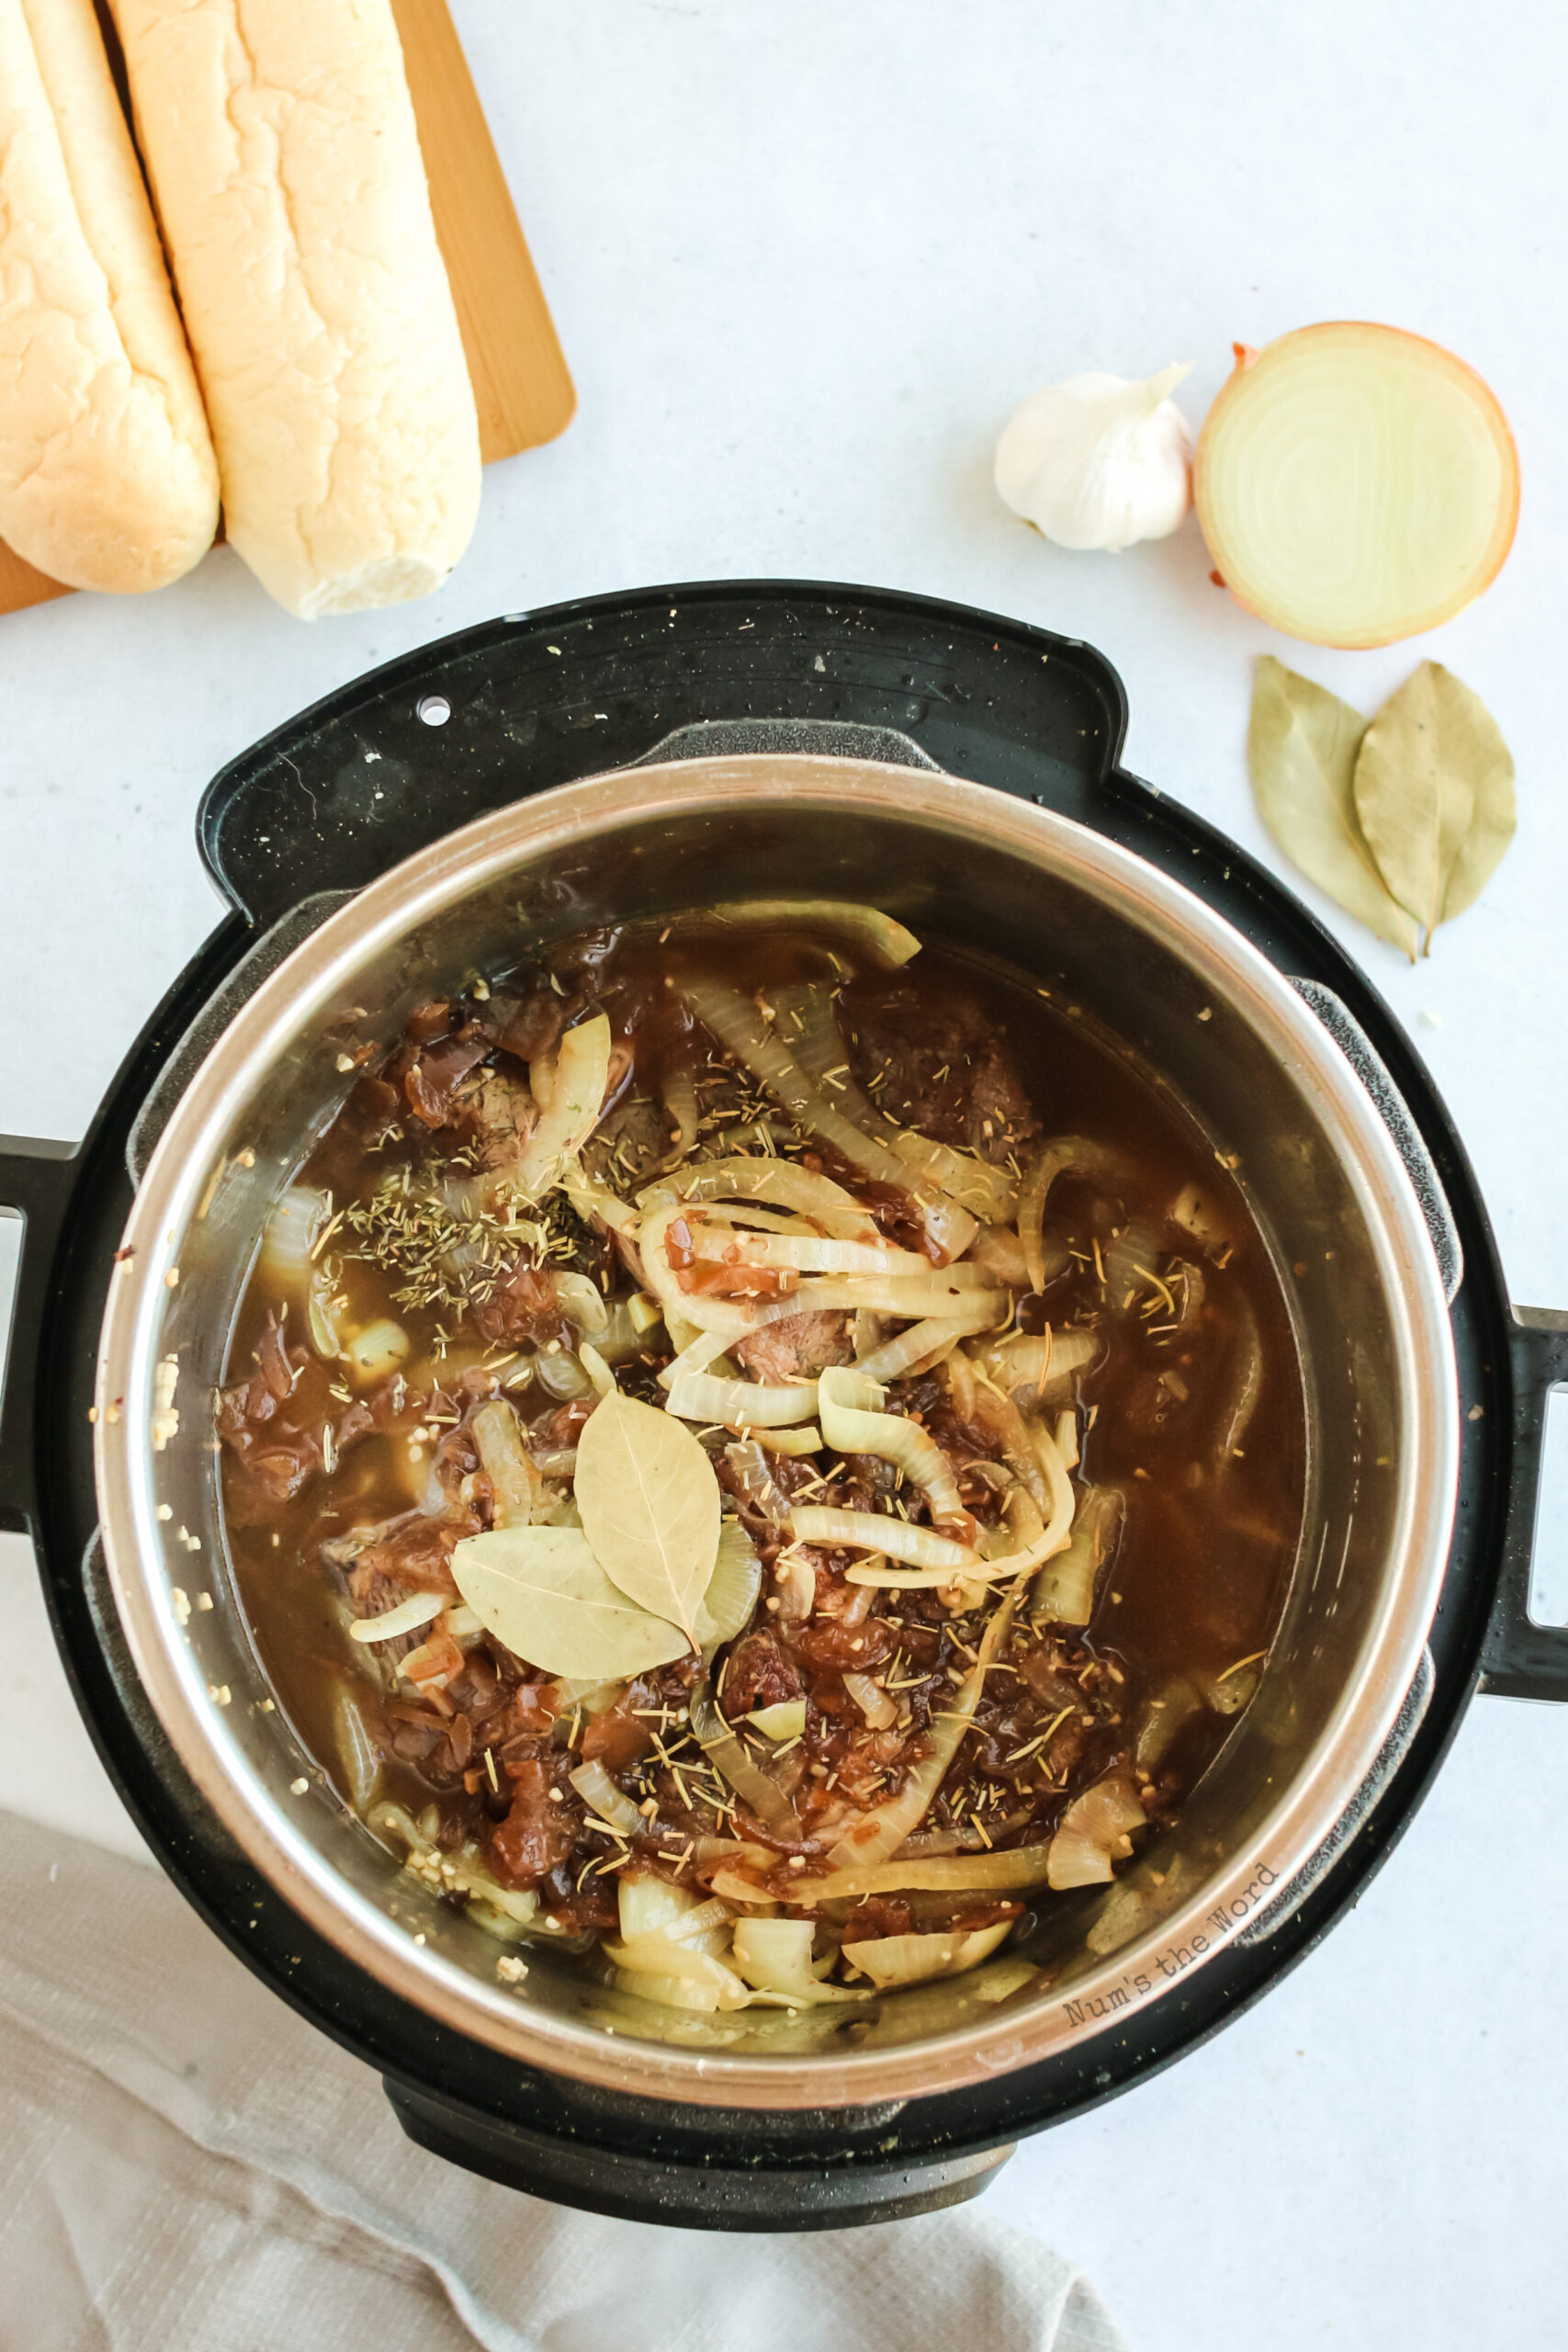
<point x="35" y="1185"/>
<point x="1520" y="1660"/>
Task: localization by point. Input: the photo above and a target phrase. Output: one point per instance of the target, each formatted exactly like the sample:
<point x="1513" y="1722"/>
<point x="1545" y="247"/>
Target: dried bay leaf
<point x="541" y="1591"/>
<point x="1434" y="787"/>
<point x="650" y="1506"/>
<point x="1302" y="744"/>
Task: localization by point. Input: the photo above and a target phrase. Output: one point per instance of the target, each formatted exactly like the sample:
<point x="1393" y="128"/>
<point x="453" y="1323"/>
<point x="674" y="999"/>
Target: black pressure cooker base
<point x="686" y="2197"/>
<point x="397" y="760"/>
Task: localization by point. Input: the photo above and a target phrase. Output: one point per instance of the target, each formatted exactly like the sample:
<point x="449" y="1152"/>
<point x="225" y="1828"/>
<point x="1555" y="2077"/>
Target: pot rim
<point x="315" y="974"/>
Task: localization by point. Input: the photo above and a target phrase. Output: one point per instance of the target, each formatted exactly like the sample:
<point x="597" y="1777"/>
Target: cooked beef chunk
<point x="797" y="1347"/>
<point x="758" y="1675"/>
<point x="523" y="1306"/>
<point x="946" y="1071"/>
<point x="541" y="1825"/>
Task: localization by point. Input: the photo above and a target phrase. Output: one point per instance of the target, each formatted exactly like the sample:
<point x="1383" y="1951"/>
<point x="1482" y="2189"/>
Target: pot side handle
<point x="1520" y="1660"/>
<point x="1370" y="1068"/>
<point x="35" y="1185"/>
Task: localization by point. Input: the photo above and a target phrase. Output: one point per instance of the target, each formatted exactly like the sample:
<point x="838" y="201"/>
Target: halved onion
<point x="1355" y="484"/>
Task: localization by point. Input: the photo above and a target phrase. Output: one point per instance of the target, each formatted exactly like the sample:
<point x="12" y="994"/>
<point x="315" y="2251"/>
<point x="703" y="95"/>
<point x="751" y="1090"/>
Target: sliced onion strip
<point x="601" y="1795"/>
<point x="877" y="1835"/>
<point x="849" y="1406"/>
<point x="925" y="1343"/>
<point x="779" y="1182"/>
<point x="406" y="1618"/>
<point x="702" y="1396"/>
<point x="741" y="1027"/>
<point x="988" y="1193"/>
<point x="577" y="1098"/>
<point x="1015" y="1867"/>
<point x="1094" y="1833"/>
<point x="515" y="1478"/>
<point x="1056" y="1158"/>
<point x="728" y="1752"/>
<point x="810" y="1255"/>
<point x="885" y="937"/>
<point x="871" y="1531"/>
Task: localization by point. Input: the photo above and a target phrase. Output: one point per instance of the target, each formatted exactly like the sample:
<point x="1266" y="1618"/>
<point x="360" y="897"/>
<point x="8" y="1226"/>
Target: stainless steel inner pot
<point x="1203" y="1012"/>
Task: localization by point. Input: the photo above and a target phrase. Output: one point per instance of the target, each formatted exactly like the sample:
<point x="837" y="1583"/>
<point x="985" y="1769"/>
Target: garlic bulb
<point x="1099" y="461"/>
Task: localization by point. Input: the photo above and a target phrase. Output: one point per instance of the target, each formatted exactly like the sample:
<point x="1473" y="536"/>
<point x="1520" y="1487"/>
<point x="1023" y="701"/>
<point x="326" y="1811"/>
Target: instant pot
<point x="635" y="755"/>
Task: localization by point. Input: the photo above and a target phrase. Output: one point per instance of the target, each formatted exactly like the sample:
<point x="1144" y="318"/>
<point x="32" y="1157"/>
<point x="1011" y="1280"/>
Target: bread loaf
<point x="279" y="140"/>
<point x="107" y="478"/>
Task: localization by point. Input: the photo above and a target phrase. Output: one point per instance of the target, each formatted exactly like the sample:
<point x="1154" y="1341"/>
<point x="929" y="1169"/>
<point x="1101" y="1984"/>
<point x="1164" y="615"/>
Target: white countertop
<point x="804" y="261"/>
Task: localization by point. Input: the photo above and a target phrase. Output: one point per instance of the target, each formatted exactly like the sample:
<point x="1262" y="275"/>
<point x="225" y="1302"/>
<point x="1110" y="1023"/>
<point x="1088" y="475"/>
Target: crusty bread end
<point x="280" y="144"/>
<point x="107" y="478"/>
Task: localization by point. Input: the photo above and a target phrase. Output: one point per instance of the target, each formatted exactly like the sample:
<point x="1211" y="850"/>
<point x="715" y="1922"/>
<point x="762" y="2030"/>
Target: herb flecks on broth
<point x="949" y="1464"/>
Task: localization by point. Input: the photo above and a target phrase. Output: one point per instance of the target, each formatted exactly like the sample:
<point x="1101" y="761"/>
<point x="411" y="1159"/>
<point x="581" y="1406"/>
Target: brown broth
<point x="1198" y="1582"/>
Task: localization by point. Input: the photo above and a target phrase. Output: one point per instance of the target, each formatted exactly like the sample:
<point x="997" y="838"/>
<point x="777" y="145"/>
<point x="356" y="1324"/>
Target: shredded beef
<point x="758" y="1675"/>
<point x="537" y="1833"/>
<point x="522" y="1308"/>
<point x="845" y="1649"/>
<point x="948" y="1074"/>
<point x="877" y="1916"/>
<point x="797" y="1347"/>
<point x="618" y="1737"/>
<point x="431" y="1082"/>
<point x="528" y="1026"/>
<point x="417" y="1551"/>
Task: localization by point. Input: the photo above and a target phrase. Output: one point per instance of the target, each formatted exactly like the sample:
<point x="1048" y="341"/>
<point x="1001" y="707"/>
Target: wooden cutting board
<point x="521" y="386"/>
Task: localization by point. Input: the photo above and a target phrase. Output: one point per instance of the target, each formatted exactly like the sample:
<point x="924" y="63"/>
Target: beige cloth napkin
<point x="185" y="2166"/>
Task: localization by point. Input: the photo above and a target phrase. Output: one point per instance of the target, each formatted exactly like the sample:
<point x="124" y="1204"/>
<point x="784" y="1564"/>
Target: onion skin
<point x="1346" y="343"/>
